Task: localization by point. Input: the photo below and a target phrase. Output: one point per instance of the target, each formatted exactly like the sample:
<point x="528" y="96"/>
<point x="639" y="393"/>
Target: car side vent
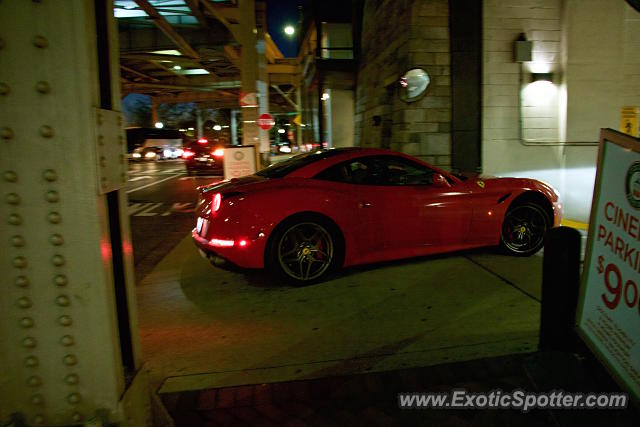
<point x="503" y="198"/>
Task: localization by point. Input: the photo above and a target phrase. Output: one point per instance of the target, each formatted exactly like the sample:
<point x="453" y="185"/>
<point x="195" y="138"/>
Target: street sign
<point x="629" y="121"/>
<point x="609" y="307"/>
<point x="248" y="99"/>
<point x="266" y="121"/>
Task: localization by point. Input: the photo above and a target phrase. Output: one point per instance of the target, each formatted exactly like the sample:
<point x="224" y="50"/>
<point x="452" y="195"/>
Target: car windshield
<point x="284" y="168"/>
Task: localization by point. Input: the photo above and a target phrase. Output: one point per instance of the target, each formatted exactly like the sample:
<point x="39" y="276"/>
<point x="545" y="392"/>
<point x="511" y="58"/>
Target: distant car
<point x="203" y="157"/>
<point x="317" y="211"/>
<point x="146" y="154"/>
<point x="158" y="149"/>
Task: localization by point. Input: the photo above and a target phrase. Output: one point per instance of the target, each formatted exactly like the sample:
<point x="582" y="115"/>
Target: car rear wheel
<point x="523" y="229"/>
<point x="303" y="251"/>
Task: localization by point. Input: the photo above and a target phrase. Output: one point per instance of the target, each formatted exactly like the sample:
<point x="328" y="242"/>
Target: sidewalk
<point x="371" y="399"/>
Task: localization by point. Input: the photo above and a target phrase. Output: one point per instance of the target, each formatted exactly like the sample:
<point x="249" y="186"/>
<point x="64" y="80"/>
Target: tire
<point x="304" y="250"/>
<point x="523" y="229"/>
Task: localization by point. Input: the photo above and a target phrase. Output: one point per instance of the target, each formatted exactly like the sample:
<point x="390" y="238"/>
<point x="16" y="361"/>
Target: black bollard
<point x="560" y="287"/>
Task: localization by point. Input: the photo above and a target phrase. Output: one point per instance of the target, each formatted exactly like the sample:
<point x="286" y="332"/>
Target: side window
<point x="379" y="170"/>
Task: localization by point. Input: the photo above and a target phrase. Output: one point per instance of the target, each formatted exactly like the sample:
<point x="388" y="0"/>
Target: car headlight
<point x="150" y="154"/>
<point x="136" y="155"/>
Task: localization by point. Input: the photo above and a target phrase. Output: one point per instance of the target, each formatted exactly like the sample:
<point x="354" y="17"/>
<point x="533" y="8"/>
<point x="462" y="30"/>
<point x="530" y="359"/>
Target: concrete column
<point x="199" y="122"/>
<point x="234" y="127"/>
<point x="299" y="110"/>
<point x="249" y="72"/>
<point x="69" y="352"/>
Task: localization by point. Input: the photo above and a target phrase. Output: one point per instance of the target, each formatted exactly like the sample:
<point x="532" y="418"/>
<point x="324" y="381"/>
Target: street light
<point x="159" y="125"/>
<point x="217" y="127"/>
<point x="289" y="30"/>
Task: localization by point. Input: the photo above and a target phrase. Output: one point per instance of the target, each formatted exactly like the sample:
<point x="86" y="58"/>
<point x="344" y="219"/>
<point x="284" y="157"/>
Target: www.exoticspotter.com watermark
<point x="516" y="399"/>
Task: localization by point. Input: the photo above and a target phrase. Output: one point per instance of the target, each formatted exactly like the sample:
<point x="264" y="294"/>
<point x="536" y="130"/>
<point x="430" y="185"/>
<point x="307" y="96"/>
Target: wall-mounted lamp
<point x="541" y="77"/>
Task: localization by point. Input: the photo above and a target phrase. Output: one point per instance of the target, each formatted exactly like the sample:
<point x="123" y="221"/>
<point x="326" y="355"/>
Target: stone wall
<point x="397" y="36"/>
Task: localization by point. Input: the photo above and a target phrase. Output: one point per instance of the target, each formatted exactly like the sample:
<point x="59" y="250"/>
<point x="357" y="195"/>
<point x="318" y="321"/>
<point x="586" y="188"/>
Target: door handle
<point x="365" y="205"/>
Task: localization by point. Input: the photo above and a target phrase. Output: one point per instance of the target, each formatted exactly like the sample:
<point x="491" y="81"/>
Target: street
<point x="161" y="202"/>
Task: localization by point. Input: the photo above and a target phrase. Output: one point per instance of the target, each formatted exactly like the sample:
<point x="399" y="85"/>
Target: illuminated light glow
<point x="218" y="152"/>
<point x="187" y="153"/>
<point x="248" y="121"/>
<point x="489" y="213"/>
<point x="202" y="141"/>
<point x="242" y="243"/>
<point x="217" y="201"/>
<point x="539" y="93"/>
<point x="177" y="67"/>
<point x="281" y="131"/>
<point x="136" y="155"/>
<point x="182" y="130"/>
<point x="105" y="250"/>
<point x="220" y="243"/>
<point x="150" y="154"/>
<point x="325" y="96"/>
<point x="289" y="30"/>
<point x="285" y="149"/>
<point x="217" y="127"/>
<point x="179" y="152"/>
<point x="167" y="153"/>
<point x="167" y="52"/>
<point x="189" y="128"/>
<point x="159" y="125"/>
<point x="195" y="72"/>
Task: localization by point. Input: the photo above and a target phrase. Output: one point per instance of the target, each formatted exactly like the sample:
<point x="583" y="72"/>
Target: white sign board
<point x="239" y="161"/>
<point x="609" y="307"/>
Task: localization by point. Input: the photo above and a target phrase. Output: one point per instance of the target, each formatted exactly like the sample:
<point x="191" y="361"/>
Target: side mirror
<point x="440" y="181"/>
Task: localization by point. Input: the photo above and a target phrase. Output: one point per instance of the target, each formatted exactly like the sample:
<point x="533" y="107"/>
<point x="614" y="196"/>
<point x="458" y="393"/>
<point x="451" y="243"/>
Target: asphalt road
<point x="161" y="203"/>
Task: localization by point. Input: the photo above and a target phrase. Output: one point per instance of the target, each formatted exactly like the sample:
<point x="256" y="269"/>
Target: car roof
<point x="339" y="155"/>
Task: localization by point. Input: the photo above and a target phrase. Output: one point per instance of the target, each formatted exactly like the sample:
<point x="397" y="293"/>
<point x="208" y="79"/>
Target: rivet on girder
<point x="103" y="161"/>
<point x="54" y="218"/>
<point x="70" y="360"/>
<point x="22" y="281"/>
<point x="56" y="240"/>
<point x="17" y="241"/>
<point x="65" y="320"/>
<point x="40" y="42"/>
<point x="34" y="381"/>
<point x="58" y="260"/>
<point x="29" y="342"/>
<point x="38" y="419"/>
<point x="31" y="362"/>
<point x="99" y="118"/>
<point x="10" y="176"/>
<point x="1" y="44"/>
<point x="72" y="379"/>
<point x="6" y="133"/>
<point x="46" y="131"/>
<point x="27" y="322"/>
<point x="120" y="121"/>
<point x="73" y="398"/>
<point x="50" y="175"/>
<point x="4" y="89"/>
<point x="13" y="199"/>
<point x="121" y="140"/>
<point x="19" y="262"/>
<point x="100" y="140"/>
<point x="24" y="302"/>
<point x="60" y="280"/>
<point x="77" y="417"/>
<point x="67" y="340"/>
<point x="52" y="196"/>
<point x="15" y="219"/>
<point x="43" y="87"/>
<point x="63" y="301"/>
<point x="37" y="399"/>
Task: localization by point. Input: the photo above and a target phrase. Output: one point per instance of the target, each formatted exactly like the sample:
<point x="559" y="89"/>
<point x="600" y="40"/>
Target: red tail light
<point x="218" y="152"/>
<point x="217" y="201"/>
<point x="187" y="154"/>
<point x="203" y="141"/>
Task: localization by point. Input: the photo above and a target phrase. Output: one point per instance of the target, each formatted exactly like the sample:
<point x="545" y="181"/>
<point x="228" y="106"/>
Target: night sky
<point x="279" y="14"/>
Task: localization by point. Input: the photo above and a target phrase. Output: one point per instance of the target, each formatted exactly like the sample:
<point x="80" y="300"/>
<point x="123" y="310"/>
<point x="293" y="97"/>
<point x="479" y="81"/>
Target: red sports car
<point x="318" y="211"/>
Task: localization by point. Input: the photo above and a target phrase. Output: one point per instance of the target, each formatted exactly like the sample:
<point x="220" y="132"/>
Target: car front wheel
<point x="523" y="229"/>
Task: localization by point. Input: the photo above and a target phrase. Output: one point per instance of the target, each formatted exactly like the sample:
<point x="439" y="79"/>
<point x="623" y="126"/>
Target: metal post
<point x="234" y="127"/>
<point x="560" y="286"/>
<point x="69" y="352"/>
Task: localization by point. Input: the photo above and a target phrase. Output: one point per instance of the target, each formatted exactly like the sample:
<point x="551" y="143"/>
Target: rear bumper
<point x="249" y="256"/>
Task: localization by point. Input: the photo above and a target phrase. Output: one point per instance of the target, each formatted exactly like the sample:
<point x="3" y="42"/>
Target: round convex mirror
<point x="413" y="84"/>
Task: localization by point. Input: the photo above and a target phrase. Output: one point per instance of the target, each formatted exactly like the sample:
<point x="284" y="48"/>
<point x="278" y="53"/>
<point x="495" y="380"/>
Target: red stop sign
<point x="265" y="121"/>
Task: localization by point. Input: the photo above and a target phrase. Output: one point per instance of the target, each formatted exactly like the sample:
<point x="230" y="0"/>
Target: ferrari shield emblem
<point x="480" y="183"/>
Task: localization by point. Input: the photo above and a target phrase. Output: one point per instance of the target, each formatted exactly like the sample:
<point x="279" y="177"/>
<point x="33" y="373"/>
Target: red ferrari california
<point x="306" y="216"/>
